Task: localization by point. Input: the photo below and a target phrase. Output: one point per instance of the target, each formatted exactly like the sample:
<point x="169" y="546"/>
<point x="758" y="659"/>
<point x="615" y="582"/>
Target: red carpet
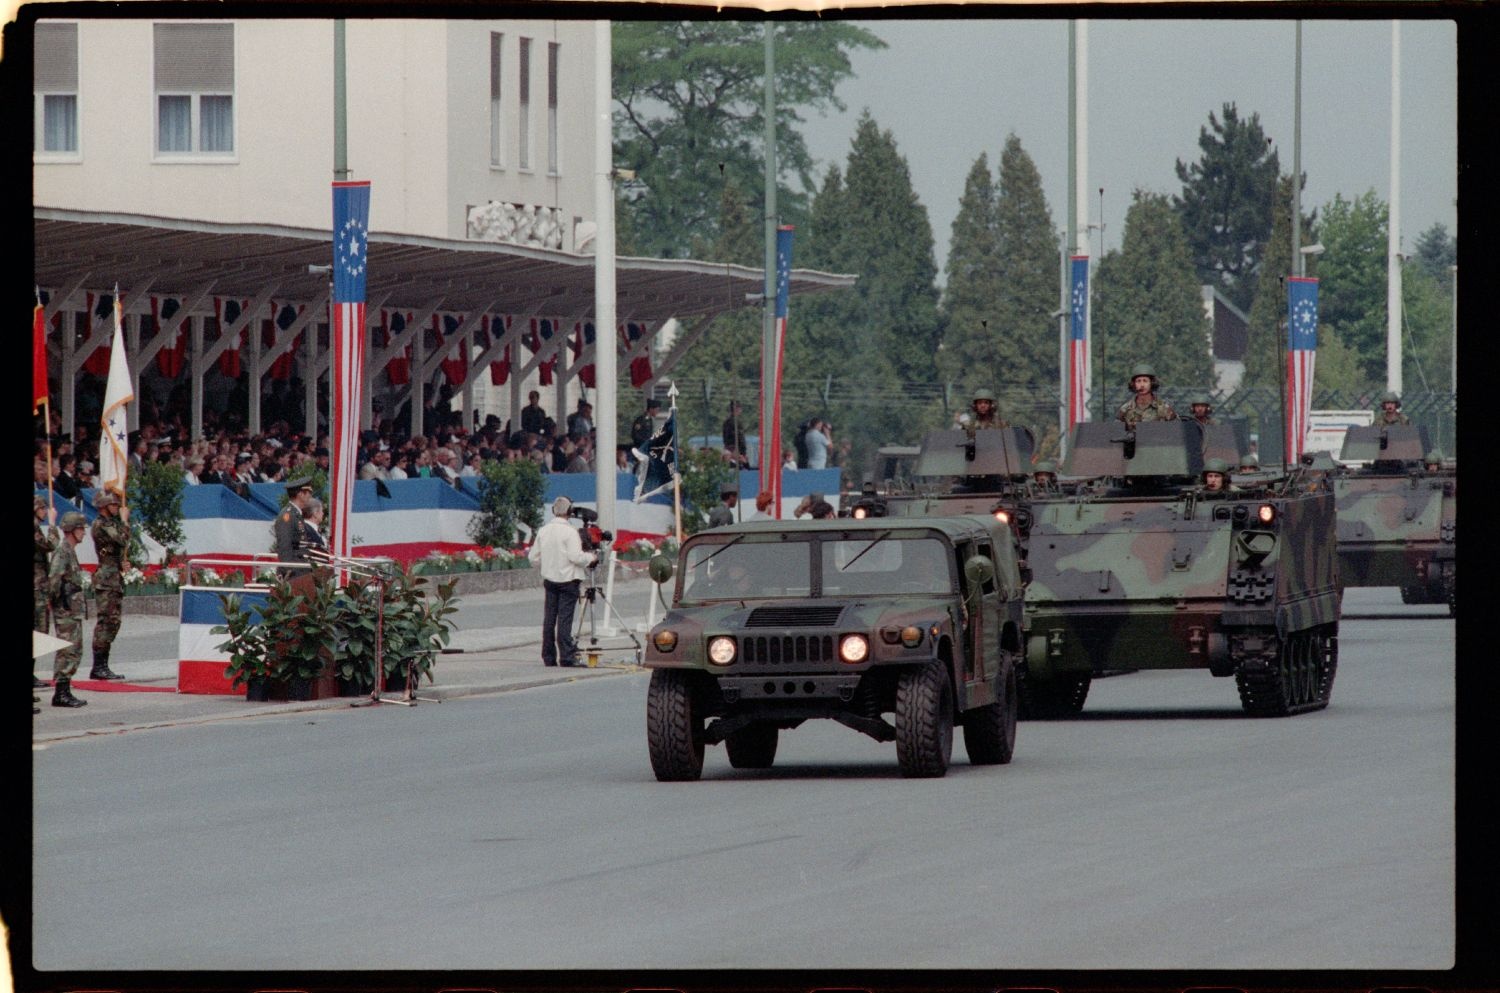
<point x="111" y="686"/>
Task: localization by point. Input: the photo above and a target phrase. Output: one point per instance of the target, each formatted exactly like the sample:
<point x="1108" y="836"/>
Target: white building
<point x="189" y="161"/>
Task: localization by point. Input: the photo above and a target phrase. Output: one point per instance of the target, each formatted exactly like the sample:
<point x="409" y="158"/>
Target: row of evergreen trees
<point x="895" y="336"/>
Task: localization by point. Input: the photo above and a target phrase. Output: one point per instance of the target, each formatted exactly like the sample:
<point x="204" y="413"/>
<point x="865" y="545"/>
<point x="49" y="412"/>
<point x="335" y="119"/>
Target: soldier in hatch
<point x="983" y="412"/>
<point x="1146" y="405"/>
<point x="1202" y="406"/>
<point x="1389" y="411"/>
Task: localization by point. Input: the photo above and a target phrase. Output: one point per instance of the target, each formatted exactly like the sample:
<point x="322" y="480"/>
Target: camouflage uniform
<point x="1157" y="410"/>
<point x="111" y="539"/>
<point x="1384" y="419"/>
<point x="65" y="590"/>
<point x="46" y="543"/>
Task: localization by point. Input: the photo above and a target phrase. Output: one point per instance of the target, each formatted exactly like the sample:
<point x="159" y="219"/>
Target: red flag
<point x="640" y="370"/>
<point x="38" y="358"/>
<point x="456" y="368"/>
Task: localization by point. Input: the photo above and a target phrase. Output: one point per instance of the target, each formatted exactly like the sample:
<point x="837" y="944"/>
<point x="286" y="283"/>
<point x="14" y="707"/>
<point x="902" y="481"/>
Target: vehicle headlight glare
<point x="854" y="648"/>
<point x="721" y="651"/>
<point x="1267" y="513"/>
<point x="911" y="636"/>
<point x="665" y="640"/>
<point x="1002" y="516"/>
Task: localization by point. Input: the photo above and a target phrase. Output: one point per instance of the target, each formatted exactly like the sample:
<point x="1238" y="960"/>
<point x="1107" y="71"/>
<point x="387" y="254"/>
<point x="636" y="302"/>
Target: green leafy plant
<point x="248" y="655"/>
<point x="415" y="625"/>
<point x="510" y="493"/>
<point x="291" y="636"/>
<point x="704" y="472"/>
<point x="154" y="493"/>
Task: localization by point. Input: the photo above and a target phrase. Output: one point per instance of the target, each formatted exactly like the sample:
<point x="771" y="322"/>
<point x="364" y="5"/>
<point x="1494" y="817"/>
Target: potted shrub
<point x="250" y="662"/>
<point x="416" y="627"/>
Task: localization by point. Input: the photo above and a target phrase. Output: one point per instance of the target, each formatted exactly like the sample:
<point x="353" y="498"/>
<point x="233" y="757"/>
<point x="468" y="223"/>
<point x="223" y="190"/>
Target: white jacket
<point x="558" y="552"/>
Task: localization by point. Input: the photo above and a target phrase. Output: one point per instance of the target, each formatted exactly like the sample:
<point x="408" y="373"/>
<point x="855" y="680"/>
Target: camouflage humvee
<point x="1133" y="565"/>
<point x="773" y="623"/>
<point x="1398" y="520"/>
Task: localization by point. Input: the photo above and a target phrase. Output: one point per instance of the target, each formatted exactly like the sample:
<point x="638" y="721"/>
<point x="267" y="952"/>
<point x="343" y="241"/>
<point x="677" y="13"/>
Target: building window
<point x="552" y="109"/>
<point x="194" y="89"/>
<point x="497" y="119"/>
<point x="523" y="159"/>
<point x="55" y="68"/>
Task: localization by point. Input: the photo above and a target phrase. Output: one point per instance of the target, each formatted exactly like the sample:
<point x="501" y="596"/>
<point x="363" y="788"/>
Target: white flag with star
<point x="113" y="433"/>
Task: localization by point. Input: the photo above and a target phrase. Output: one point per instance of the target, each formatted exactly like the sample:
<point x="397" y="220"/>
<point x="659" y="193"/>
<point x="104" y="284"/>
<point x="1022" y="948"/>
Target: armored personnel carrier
<point x="773" y="623"/>
<point x="1132" y="564"/>
<point x="1397" y="518"/>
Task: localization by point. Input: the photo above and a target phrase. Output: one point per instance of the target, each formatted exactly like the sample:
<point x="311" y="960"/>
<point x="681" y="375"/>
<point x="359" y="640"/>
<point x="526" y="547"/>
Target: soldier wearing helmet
<point x="1389" y="411"/>
<point x="65" y="590"/>
<point x="47" y="538"/>
<point x="1433" y="461"/>
<point x="1216" y="476"/>
<point x="1146" y="405"/>
<point x="1044" y="476"/>
<point x="111" y="541"/>
<point x="1249" y="462"/>
<point x="983" y="412"/>
<point x="1202" y="406"/>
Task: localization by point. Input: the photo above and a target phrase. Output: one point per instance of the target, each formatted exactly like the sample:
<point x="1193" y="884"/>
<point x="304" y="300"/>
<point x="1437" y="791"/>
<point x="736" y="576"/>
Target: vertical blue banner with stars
<point x="1301" y="353"/>
<point x="1078" y="341"/>
<point x="351" y="240"/>
<point x="770" y="440"/>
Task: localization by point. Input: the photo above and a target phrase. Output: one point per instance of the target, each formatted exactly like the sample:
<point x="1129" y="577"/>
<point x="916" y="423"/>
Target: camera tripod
<point x="591" y="595"/>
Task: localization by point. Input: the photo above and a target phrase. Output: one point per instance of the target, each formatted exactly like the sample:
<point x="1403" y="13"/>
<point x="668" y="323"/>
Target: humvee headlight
<point x="854" y="648"/>
<point x="721" y="651"/>
<point x="1266" y="513"/>
<point x="859" y="513"/>
<point x="1002" y="515"/>
<point x="911" y="636"/>
<point x="664" y="640"/>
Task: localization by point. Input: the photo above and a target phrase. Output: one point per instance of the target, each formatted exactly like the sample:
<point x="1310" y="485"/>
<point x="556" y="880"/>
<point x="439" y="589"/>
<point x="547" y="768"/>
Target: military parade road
<point x="1161" y="829"/>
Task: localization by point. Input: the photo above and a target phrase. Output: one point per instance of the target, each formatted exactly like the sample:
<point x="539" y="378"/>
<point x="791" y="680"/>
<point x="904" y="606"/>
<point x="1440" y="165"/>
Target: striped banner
<point x="1301" y="354"/>
<point x="351" y="213"/>
<point x="1078" y="343"/>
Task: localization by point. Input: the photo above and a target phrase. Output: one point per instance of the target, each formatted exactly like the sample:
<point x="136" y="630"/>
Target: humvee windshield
<point x="863" y="566"/>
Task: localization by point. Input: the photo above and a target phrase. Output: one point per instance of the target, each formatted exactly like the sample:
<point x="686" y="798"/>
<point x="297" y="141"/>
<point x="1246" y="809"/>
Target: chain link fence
<point x="703" y="404"/>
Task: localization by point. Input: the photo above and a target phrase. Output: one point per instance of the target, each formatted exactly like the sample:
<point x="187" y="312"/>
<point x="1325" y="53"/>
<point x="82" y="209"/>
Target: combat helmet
<point x="38" y="502"/>
<point x="1250" y="459"/>
<point x="1046" y="465"/>
<point x="1391" y="396"/>
<point x="1216" y="465"/>
<point x="1200" y="397"/>
<point x="984" y="393"/>
<point x="1143" y="369"/>
<point x="106" y="498"/>
<point x="73" y="520"/>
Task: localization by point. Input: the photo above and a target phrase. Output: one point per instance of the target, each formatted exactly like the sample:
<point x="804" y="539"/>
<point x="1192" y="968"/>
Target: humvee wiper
<point x="878" y="539"/>
<point x="728" y="544"/>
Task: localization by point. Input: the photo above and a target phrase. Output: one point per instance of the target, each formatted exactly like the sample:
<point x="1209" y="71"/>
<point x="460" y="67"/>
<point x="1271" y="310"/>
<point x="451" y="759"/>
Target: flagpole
<point x="676" y="466"/>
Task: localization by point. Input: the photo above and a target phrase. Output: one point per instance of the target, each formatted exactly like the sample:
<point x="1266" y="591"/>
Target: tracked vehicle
<point x="774" y="623"/>
<point x="1133" y="565"/>
<point x="1397" y="520"/>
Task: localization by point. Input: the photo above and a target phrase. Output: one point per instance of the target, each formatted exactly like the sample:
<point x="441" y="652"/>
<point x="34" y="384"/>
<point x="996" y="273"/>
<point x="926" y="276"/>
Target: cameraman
<point x="558" y="551"/>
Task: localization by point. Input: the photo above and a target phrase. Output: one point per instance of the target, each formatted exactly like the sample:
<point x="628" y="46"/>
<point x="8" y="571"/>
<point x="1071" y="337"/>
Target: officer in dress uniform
<point x="291" y="542"/>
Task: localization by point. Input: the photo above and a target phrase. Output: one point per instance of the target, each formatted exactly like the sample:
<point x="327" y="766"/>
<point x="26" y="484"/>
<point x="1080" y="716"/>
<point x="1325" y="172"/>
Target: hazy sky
<point x="949" y="89"/>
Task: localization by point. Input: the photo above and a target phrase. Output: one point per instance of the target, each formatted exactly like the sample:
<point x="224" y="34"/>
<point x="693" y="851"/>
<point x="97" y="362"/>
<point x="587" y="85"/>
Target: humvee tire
<point x="674" y="728"/>
<point x="1054" y="698"/>
<point x="924" y="721"/>
<point x="752" y="747"/>
<point x="990" y="731"/>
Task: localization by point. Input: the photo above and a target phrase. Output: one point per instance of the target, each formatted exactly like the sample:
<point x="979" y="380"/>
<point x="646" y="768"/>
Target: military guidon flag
<point x="1078" y="342"/>
<point x="114" y="433"/>
<point x="1302" y="351"/>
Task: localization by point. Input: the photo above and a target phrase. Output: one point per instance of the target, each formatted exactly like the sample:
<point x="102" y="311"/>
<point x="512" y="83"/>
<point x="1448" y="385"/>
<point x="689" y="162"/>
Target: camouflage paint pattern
<point x="111" y="539"/>
<point x="65" y="589"/>
<point x="46" y="544"/>
<point x="1397" y="530"/>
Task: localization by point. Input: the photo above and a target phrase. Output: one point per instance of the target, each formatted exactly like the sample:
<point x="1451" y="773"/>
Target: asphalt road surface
<point x="1159" y="830"/>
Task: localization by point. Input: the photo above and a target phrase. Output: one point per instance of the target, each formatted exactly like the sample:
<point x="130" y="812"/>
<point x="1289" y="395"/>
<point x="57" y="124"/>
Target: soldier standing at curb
<point x="65" y="588"/>
<point x="46" y="543"/>
<point x="1146" y="406"/>
<point x="111" y="540"/>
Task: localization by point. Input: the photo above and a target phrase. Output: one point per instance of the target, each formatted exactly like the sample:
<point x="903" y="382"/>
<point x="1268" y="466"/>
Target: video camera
<point x="592" y="536"/>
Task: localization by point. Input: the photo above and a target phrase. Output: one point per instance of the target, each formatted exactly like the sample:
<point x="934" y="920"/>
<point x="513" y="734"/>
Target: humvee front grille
<point x="787" y="650"/>
<point x="794" y="617"/>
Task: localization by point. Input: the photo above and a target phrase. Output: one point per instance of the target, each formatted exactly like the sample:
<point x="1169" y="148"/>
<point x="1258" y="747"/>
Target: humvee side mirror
<point x="660" y="568"/>
<point x="978" y="570"/>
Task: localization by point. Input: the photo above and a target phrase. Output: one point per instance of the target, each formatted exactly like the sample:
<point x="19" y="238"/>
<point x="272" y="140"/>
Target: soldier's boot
<point x="101" y="669"/>
<point x="63" y="696"/>
<point x="36" y="684"/>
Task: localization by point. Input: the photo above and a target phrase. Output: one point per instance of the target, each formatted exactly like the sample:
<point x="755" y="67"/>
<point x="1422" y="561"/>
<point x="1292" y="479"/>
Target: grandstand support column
<point x="606" y="339"/>
<point x="310" y="378"/>
<point x="254" y="376"/>
<point x="195" y="335"/>
<point x="68" y="379"/>
<point x="133" y="347"/>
